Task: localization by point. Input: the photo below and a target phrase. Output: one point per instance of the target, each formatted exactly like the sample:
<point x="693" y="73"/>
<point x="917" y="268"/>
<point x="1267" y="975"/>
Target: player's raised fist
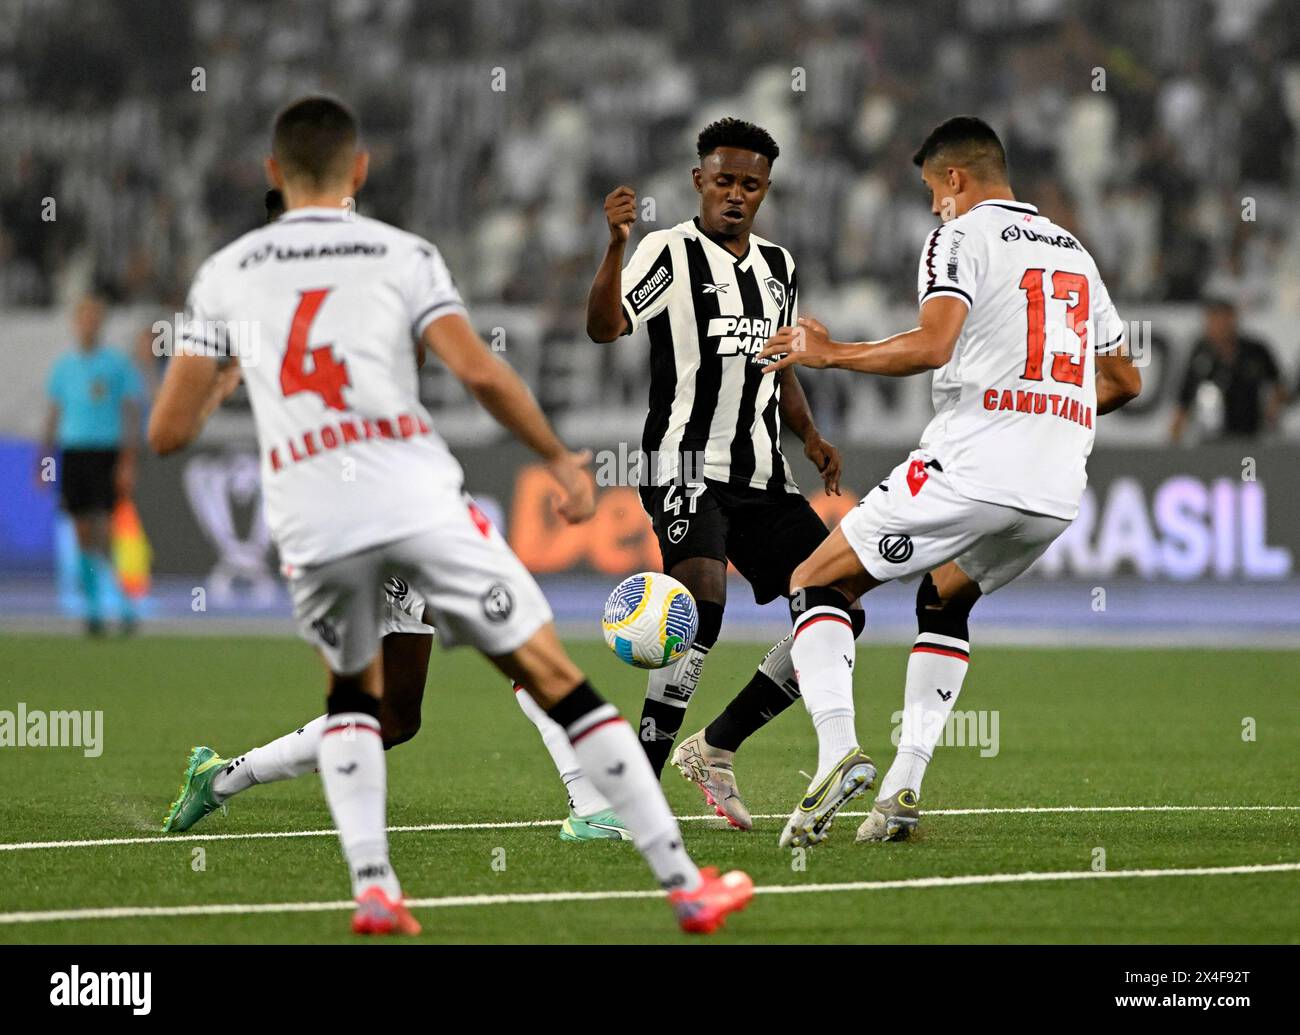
<point x="620" y="212"/>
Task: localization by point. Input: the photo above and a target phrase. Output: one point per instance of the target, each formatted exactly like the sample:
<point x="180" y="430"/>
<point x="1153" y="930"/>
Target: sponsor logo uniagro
<point x="342" y="250"/>
<point x="1015" y="233"/>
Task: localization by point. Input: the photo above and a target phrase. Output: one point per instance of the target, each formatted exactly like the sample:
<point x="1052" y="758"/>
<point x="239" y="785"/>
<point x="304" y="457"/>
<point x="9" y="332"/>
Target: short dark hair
<point x="731" y="132"/>
<point x="965" y="141"/>
<point x="314" y="139"/>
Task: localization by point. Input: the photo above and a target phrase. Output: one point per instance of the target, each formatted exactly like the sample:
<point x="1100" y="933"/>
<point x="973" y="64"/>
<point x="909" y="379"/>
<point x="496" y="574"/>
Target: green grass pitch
<point x="1084" y="727"/>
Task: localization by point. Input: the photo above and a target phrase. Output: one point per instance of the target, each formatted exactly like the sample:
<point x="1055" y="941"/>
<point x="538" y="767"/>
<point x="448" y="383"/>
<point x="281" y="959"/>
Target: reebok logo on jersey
<point x="716" y="289"/>
<point x="1014" y="233"/>
<point x="740" y="334"/>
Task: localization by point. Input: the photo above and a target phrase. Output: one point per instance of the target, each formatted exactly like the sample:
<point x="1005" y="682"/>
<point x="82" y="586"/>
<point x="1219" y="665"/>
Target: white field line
<point x="963" y="880"/>
<point x="163" y="839"/>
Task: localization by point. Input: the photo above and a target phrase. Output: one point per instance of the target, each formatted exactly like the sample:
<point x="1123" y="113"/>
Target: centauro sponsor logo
<point x="36" y="728"/>
<point x="96" y="988"/>
<point x="649" y="287"/>
<point x="738" y="334"/>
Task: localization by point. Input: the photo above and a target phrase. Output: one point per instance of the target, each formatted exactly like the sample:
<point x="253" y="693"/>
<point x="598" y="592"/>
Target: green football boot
<point x="599" y="826"/>
<point x="196" y="799"/>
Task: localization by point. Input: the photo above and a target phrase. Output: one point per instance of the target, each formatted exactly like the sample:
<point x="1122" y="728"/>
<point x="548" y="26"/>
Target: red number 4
<point x="328" y="376"/>
<point x="1064" y="287"/>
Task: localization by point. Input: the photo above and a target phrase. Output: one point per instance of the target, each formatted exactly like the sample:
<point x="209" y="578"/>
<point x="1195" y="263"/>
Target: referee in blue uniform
<point x="95" y="394"/>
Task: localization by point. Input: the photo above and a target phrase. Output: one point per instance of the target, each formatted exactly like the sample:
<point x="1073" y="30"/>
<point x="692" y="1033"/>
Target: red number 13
<point x="1064" y="287"/>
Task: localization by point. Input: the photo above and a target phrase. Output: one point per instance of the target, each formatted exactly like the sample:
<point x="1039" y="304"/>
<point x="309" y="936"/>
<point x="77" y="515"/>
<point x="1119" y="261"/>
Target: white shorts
<point x="476" y="591"/>
<point x="914" y="521"/>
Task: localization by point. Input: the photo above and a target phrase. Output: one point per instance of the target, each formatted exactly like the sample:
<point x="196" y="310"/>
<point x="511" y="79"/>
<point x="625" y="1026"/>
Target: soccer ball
<point x="650" y="620"/>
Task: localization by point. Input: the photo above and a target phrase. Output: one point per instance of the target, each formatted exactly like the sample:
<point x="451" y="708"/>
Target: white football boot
<point x="711" y="768"/>
<point x="891" y="819"/>
<point x="811" y="820"/>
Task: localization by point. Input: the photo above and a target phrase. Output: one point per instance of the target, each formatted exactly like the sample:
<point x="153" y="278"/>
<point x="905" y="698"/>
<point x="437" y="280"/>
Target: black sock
<point x="660" y="724"/>
<point x="761" y="701"/>
<point x="661" y="721"/>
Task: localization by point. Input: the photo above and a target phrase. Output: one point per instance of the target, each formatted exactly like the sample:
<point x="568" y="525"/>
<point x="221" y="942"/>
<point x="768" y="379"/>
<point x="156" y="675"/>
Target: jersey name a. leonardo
<point x="1015" y="406"/>
<point x="708" y="313"/>
<point x="327" y="309"/>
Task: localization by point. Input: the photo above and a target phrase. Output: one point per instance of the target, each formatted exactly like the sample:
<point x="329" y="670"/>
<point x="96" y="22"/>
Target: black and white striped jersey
<point x="708" y="313"/>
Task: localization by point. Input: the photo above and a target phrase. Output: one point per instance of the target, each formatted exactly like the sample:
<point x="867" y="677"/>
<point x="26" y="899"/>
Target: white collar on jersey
<point x="739" y="260"/>
<point x="314" y="214"/>
<point x="1014" y="206"/>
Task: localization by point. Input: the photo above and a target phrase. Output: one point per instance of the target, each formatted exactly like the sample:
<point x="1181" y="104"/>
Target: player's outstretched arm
<point x="1118" y="381"/>
<point x="925" y="347"/>
<point x="605" y="319"/>
<point x="502" y="392"/>
<point x="184" y="403"/>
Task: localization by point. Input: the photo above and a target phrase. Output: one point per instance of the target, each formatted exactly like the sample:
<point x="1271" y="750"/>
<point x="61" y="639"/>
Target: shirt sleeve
<point x="1108" y="329"/>
<point x="203" y="325"/>
<point x="429" y="290"/>
<point x="647" y="280"/>
<point x="949" y="265"/>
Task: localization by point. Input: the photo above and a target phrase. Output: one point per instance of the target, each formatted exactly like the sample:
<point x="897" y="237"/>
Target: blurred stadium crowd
<point x="498" y="126"/>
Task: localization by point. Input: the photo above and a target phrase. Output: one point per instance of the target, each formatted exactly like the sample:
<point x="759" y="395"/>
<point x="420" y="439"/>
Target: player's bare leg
<point x="935" y="671"/>
<point x="822" y="590"/>
<point x="610" y="754"/>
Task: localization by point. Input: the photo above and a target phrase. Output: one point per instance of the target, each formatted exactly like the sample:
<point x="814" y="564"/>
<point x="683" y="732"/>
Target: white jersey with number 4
<point x="1015" y="406"/>
<point x="327" y="309"/>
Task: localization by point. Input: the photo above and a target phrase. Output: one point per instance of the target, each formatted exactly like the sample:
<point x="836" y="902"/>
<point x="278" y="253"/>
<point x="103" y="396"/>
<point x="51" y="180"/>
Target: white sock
<point x="583" y="796"/>
<point x="676" y="684"/>
<point x="284" y="758"/>
<point x="610" y="754"/>
<point x="937" y="666"/>
<point x="355" y="777"/>
<point x="823" y="653"/>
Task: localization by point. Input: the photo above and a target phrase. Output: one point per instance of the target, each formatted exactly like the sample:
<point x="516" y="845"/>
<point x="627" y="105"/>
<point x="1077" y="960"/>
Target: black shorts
<point x="87" y="482"/>
<point x="765" y="534"/>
